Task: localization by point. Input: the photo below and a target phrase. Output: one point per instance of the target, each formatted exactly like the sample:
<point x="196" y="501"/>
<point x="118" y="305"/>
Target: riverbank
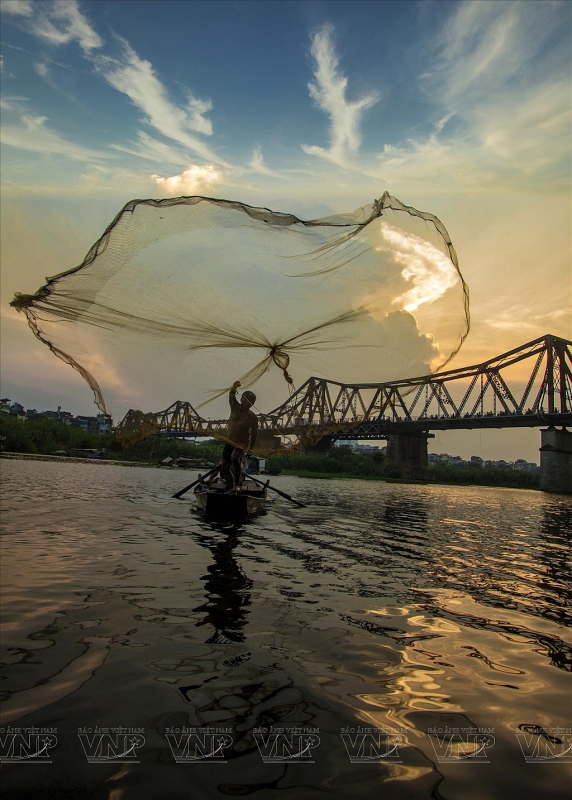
<point x="508" y="481"/>
<point x="73" y="460"/>
<point x="448" y="476"/>
<point x="40" y="438"/>
<point x="341" y="462"/>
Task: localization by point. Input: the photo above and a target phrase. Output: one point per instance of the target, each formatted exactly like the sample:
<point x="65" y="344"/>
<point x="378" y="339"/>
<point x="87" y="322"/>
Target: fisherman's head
<point x="248" y="399"/>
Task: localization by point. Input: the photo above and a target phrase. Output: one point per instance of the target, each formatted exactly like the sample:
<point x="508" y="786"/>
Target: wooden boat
<point x="217" y="504"/>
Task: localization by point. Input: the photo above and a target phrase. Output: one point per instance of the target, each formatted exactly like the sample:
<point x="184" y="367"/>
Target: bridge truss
<point x="481" y="396"/>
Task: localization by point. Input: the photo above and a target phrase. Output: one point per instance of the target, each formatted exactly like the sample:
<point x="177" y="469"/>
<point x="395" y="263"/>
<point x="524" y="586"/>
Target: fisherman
<point x="242" y="430"/>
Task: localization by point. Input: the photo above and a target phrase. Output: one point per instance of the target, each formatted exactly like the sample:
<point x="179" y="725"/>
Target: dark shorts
<point x="228" y="450"/>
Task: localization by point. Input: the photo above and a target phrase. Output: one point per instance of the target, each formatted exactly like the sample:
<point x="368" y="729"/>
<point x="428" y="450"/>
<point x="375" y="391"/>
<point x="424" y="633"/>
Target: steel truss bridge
<point x="480" y="396"/>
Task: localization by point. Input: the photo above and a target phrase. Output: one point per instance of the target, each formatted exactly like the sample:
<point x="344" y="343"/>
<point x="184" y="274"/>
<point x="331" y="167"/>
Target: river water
<point x="389" y="640"/>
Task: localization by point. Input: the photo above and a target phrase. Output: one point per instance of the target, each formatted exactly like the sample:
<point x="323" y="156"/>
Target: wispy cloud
<point x="257" y="164"/>
<point x="57" y="22"/>
<point x="46" y="74"/>
<point x="35" y="135"/>
<point x="19" y="7"/>
<point x="62" y="21"/>
<point x="504" y="103"/>
<point x="329" y="94"/>
<point x="196" y="179"/>
<point x="150" y="149"/>
<point x="136" y="78"/>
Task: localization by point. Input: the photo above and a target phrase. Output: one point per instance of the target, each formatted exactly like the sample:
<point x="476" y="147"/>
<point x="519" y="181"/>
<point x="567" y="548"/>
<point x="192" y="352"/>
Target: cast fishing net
<point x="181" y="297"/>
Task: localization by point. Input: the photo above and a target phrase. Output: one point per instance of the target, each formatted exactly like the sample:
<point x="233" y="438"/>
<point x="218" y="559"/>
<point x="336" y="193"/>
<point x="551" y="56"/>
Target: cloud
<point x="503" y="103"/>
<point x="44" y="72"/>
<point x="329" y="94"/>
<point x="257" y="164"/>
<point x="479" y="43"/>
<point x="57" y="22"/>
<point x="61" y="21"/>
<point x="20" y="7"/>
<point x="194" y="180"/>
<point x="34" y="135"/>
<point x="430" y="271"/>
<point x="136" y="78"/>
<point x="151" y="149"/>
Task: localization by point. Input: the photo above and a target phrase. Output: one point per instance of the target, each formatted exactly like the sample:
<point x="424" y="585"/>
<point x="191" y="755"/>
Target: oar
<point x="282" y="494"/>
<point x="194" y="483"/>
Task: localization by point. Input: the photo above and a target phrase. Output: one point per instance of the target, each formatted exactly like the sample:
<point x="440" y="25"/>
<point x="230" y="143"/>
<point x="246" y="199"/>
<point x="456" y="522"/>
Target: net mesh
<point x="181" y="297"/>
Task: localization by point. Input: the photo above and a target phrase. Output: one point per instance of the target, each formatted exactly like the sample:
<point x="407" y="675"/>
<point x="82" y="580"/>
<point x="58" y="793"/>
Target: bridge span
<point x="530" y="386"/>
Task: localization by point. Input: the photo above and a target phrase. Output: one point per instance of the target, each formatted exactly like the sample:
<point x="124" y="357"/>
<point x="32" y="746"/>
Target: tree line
<point x="45" y="436"/>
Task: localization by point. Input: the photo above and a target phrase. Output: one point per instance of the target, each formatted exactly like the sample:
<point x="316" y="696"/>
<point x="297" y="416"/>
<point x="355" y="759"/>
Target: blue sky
<point x="458" y="108"/>
<point x="270" y="88"/>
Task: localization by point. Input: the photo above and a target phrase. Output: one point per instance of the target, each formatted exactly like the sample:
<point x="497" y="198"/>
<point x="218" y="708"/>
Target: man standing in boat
<point x="242" y="430"/>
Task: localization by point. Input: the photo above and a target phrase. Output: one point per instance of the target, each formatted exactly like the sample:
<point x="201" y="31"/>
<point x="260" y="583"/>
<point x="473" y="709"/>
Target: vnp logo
<point x="26" y="744"/>
<point x="189" y="745"/>
<point x="102" y="745"/>
<point x="285" y="745"/>
<point x="455" y="745"/>
<point x="541" y="745"/>
<point x="372" y="744"/>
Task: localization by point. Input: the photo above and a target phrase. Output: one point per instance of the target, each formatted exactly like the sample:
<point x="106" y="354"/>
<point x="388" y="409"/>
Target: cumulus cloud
<point x="429" y="271"/>
<point x="329" y="94"/>
<point x="195" y="179"/>
<point x="136" y="78"/>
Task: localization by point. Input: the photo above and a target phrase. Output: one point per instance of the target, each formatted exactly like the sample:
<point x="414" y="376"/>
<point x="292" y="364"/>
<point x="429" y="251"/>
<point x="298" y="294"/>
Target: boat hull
<point x="216" y="504"/>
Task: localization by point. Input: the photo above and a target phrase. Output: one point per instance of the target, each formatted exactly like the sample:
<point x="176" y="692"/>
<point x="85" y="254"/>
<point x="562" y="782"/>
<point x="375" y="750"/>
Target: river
<point x="389" y="640"/>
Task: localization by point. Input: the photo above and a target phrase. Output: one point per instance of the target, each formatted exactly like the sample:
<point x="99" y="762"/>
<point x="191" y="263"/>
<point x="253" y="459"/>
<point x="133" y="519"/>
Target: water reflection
<point x="227" y="587"/>
<point x="555" y="538"/>
<point x="411" y="607"/>
<point x="406" y="515"/>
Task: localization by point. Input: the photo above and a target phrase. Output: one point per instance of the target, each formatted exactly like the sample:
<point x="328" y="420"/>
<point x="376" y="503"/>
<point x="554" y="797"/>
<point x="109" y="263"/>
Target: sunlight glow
<point x="430" y="271"/>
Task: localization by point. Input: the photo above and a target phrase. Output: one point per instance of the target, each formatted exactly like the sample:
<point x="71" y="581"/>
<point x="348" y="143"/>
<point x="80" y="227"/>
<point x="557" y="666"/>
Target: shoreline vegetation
<point x="44" y="437"/>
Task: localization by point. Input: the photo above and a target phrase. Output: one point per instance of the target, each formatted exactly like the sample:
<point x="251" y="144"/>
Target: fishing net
<point x="181" y="297"/>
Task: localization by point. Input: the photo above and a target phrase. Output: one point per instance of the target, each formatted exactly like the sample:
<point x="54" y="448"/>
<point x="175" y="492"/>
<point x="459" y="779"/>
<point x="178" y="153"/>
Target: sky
<point x="461" y="109"/>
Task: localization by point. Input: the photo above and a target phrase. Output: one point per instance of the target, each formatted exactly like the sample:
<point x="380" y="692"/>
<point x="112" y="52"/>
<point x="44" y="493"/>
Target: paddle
<point x="177" y="495"/>
<point x="282" y="494"/>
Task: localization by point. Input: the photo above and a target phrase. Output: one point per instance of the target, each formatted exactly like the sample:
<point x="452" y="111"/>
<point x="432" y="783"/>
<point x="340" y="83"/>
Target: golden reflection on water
<point x="391" y="606"/>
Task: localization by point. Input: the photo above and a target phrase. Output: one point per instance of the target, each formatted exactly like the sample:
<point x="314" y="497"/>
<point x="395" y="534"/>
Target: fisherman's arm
<point x="232" y="396"/>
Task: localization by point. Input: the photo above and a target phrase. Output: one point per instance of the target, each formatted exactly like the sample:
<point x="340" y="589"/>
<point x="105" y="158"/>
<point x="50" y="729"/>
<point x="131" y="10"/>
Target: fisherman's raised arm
<point x="232" y="395"/>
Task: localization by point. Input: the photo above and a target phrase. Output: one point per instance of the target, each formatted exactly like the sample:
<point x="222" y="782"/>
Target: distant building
<point x="104" y="424"/>
<point x="346" y="443"/>
<point x="101" y="423"/>
<point x="525" y="466"/>
<point x="367" y="448"/>
<point x="17" y="410"/>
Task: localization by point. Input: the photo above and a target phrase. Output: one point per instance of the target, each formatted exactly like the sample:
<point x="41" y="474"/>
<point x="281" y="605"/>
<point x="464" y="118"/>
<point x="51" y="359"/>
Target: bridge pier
<point x="407" y="452"/>
<point x="556" y="460"/>
<point x="321" y="447"/>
